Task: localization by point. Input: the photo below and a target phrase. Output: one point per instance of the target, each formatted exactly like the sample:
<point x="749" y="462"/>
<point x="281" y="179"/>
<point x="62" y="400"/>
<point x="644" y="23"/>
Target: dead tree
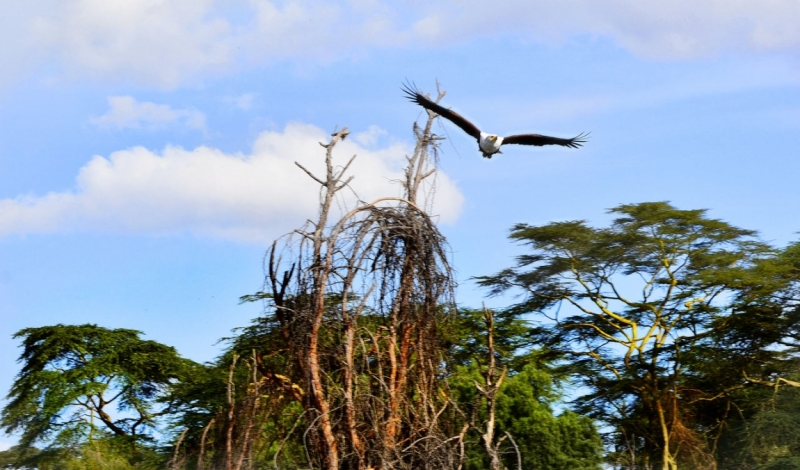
<point x="491" y="386"/>
<point x="231" y="438"/>
<point x="358" y="297"/>
<point x="486" y="400"/>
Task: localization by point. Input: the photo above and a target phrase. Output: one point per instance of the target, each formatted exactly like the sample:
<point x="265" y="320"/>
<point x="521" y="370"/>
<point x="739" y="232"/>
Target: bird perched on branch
<point x="489" y="144"/>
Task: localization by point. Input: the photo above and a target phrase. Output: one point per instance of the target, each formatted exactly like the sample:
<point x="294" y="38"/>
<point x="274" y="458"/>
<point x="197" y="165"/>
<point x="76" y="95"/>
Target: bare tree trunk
<point x="667" y="459"/>
<point x="174" y="463"/>
<point x="489" y="391"/>
<point x="371" y="394"/>
<point x="350" y="410"/>
<point x="246" y="443"/>
<point x="320" y="402"/>
<point x="203" y="444"/>
<point x="231" y="417"/>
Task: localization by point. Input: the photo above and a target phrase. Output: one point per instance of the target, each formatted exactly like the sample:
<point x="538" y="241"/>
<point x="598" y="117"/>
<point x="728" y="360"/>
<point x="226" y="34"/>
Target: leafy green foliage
<point x="525" y="402"/>
<point x="513" y="343"/>
<point x="76" y="377"/>
<point x="99" y="454"/>
<point x="546" y="440"/>
<point x="669" y="319"/>
<point x="630" y="307"/>
<point x="18" y="457"/>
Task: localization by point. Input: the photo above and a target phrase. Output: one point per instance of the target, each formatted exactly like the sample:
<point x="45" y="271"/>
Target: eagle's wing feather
<point x="539" y="140"/>
<point x="414" y="95"/>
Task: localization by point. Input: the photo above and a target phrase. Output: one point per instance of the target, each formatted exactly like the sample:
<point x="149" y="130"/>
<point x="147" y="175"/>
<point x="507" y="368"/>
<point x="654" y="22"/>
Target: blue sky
<point x="147" y="147"/>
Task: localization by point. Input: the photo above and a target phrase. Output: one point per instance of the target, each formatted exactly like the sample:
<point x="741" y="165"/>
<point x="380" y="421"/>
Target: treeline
<point x="666" y="340"/>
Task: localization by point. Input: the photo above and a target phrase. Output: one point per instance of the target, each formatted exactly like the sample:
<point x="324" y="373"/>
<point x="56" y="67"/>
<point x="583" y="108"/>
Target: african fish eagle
<point x="489" y="144"/>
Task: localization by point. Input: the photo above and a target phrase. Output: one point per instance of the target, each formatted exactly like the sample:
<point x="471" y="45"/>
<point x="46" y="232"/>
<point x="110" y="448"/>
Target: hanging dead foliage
<point x="358" y="298"/>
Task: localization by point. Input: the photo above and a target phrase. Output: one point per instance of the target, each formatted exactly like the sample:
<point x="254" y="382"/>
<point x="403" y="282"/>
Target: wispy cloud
<point x="169" y="43"/>
<point x="155" y="42"/>
<point x="243" y="101"/>
<point x="125" y="111"/>
<point x="679" y="29"/>
<point x="206" y="192"/>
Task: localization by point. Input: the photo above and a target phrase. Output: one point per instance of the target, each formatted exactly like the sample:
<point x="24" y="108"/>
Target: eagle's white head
<point x="490" y="144"/>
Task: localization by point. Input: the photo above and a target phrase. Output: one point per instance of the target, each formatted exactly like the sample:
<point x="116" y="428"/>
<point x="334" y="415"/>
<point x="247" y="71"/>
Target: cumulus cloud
<point x="370" y="137"/>
<point x="206" y="192"/>
<point x="166" y="43"/>
<point x="125" y="111"/>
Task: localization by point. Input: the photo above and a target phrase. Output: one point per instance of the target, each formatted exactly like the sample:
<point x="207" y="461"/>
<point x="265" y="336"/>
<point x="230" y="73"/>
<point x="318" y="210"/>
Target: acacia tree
<point x="628" y="305"/>
<point x="743" y="377"/>
<point x="78" y="380"/>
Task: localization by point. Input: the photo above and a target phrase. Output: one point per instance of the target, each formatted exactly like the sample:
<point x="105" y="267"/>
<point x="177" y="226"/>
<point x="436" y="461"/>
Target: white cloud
<point x="206" y="192"/>
<point x="18" y="49"/>
<point x="687" y="29"/>
<point x="370" y="137"/>
<point x="158" y="42"/>
<point x="5" y="446"/>
<point x="321" y="30"/>
<point x="125" y="111"/>
<point x="649" y="28"/>
<point x="243" y="101"/>
<point x="167" y="43"/>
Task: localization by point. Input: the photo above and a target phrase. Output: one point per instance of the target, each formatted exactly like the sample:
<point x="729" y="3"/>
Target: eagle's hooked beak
<point x="493" y="137"/>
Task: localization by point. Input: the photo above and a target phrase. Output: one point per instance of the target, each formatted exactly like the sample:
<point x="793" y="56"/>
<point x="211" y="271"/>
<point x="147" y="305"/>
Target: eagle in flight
<point x="489" y="144"/>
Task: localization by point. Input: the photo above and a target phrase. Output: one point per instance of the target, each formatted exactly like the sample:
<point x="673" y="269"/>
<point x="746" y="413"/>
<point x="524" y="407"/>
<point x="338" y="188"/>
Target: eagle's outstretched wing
<point x="539" y="140"/>
<point x="452" y="116"/>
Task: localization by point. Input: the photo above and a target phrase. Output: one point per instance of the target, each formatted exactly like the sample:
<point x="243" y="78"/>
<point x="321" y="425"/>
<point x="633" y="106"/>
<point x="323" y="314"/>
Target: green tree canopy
<point x="75" y="378"/>
<point x="627" y="306"/>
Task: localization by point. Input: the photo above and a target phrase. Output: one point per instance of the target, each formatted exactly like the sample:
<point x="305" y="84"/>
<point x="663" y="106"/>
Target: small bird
<point x="489" y="144"/>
